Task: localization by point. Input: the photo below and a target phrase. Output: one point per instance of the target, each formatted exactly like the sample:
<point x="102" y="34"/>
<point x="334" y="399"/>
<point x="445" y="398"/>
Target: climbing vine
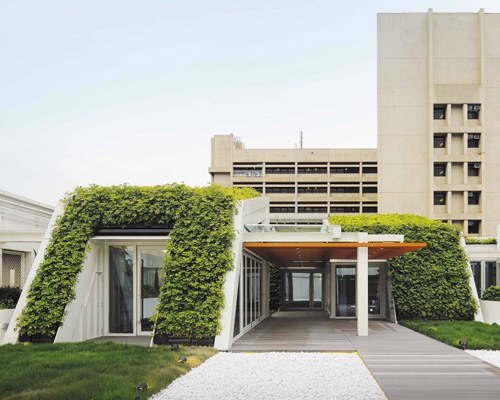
<point x="199" y="252"/>
<point x="430" y="282"/>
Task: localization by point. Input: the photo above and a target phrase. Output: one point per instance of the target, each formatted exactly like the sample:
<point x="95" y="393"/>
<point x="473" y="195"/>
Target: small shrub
<point x="492" y="293"/>
<point x="471" y="240"/>
<point x="9" y="296"/>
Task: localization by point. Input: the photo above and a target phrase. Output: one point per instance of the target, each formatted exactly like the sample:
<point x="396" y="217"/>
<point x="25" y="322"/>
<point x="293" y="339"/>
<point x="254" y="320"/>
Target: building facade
<point x="304" y="185"/>
<point x="438" y="135"/>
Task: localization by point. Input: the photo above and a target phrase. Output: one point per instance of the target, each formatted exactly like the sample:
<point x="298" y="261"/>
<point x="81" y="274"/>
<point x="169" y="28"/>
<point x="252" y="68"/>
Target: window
<point x="439" y="141"/>
<point x="473" y="226"/>
<point x="251" y="172"/>
<point x="473" y="169"/>
<point x="312" y="209"/>
<point x="280" y="170"/>
<point x="369" y="170"/>
<point x="344" y="189"/>
<point x="439" y="169"/>
<point x="368" y="210"/>
<point x="473" y="198"/>
<point x="282" y="209"/>
<point x="312" y="170"/>
<point x="369" y="189"/>
<point x="439" y="198"/>
<point x="439" y="111"/>
<point x="473" y="111"/>
<point x="473" y="140"/>
<point x="340" y="210"/>
<point x="284" y="189"/>
<point x="476" y="272"/>
<point x="312" y="189"/>
<point x="490" y="275"/>
<point x="344" y="170"/>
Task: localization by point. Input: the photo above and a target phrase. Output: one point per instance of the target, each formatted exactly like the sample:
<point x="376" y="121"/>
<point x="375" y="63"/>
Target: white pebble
<point x="276" y="376"/>
<point x="491" y="356"/>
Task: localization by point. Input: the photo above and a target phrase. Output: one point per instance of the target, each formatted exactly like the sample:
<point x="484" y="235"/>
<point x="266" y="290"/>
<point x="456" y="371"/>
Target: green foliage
<point x="471" y="240"/>
<point x="480" y="336"/>
<point x="194" y="270"/>
<point x="492" y="293"/>
<point x="9" y="296"/>
<point x="429" y="282"/>
<point x="274" y="288"/>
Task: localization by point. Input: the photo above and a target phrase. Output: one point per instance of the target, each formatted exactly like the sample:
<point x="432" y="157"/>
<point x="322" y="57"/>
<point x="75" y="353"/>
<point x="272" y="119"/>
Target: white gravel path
<point x="491" y="356"/>
<point x="276" y="376"/>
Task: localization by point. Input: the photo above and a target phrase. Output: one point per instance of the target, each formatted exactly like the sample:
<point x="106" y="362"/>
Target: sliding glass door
<point x="303" y="290"/>
<point x="134" y="275"/>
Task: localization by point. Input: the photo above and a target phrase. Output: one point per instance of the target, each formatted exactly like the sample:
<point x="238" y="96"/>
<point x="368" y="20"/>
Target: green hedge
<point x="9" y="296"/>
<point x="471" y="240"/>
<point x="492" y="293"/>
<point x="194" y="270"/>
<point x="429" y="282"/>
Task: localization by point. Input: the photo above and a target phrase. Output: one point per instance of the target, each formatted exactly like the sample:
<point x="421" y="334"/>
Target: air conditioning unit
<point x="477" y="108"/>
<point x="470" y="194"/>
<point x="470" y="136"/>
<point x="477" y="165"/>
<point x="476" y="137"/>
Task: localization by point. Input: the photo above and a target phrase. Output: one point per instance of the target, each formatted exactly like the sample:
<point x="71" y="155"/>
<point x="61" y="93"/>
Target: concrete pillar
<point x="362" y="287"/>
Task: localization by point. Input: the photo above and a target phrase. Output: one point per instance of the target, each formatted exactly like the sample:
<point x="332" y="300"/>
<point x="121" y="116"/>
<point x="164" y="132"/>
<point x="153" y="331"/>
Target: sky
<point x="131" y="91"/>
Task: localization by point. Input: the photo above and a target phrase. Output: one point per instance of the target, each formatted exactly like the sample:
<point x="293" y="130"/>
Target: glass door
<point x="121" y="289"/>
<point x="150" y="265"/>
<point x="345" y="290"/>
<point x="303" y="290"/>
<point x="134" y="287"/>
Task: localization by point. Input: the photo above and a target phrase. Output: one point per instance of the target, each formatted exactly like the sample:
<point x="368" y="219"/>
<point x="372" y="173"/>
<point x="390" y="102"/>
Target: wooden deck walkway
<point x="406" y="364"/>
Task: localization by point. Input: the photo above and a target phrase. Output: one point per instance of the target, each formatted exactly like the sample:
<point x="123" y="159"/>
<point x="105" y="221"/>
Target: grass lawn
<point x="479" y="335"/>
<point x="91" y="370"/>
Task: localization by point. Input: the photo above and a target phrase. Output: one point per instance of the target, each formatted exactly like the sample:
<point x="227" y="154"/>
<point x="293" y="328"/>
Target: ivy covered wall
<point x="199" y="252"/>
<point x="430" y="282"/>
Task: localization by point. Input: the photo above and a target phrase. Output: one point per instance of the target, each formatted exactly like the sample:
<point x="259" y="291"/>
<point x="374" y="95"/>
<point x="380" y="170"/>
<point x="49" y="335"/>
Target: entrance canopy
<point x="300" y="255"/>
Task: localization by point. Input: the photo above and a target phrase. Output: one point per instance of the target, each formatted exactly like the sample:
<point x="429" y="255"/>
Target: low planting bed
<point x="91" y="370"/>
<point x="479" y="336"/>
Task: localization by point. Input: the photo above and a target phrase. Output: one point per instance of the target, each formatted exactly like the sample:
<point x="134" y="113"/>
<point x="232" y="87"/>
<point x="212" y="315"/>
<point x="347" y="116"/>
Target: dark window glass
<point x="340" y="210"/>
<point x="369" y="189"/>
<point x="439" y="141"/>
<point x="369" y="170"/>
<point x="367" y="210"/>
<point x="476" y="271"/>
<point x="280" y="170"/>
<point x="344" y="170"/>
<point x="283" y="189"/>
<point x="312" y="189"/>
<point x="237" y="314"/>
<point x="439" y="198"/>
<point x="473" y="169"/>
<point x="312" y="209"/>
<point x="473" y="140"/>
<point x="439" y="169"/>
<point x="490" y="274"/>
<point x="473" y="226"/>
<point x="282" y="209"/>
<point x="251" y="172"/>
<point x="439" y="111"/>
<point x="473" y="198"/>
<point x="473" y="111"/>
<point x="312" y="170"/>
<point x="344" y="189"/>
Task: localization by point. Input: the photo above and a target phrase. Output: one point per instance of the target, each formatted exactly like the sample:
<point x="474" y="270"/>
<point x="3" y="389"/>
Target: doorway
<point x="302" y="290"/>
<point x="133" y="287"/>
<point x="345" y="290"/>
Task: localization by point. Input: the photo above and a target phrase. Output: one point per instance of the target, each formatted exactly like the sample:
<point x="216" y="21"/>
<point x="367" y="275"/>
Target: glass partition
<point x="121" y="289"/>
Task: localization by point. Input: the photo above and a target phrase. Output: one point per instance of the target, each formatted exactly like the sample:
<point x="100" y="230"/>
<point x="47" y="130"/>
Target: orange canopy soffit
<point x="298" y="255"/>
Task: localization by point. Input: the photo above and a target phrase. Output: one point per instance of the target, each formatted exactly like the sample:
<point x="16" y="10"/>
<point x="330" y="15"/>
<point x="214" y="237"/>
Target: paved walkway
<point x="406" y="364"/>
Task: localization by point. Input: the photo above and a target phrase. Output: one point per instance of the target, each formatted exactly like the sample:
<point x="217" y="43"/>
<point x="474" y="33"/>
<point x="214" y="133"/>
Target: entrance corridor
<point x="406" y="364"/>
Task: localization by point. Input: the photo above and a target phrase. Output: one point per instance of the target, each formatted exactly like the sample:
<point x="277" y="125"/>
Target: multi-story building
<point x="304" y="185"/>
<point x="438" y="134"/>
<point x="438" y="117"/>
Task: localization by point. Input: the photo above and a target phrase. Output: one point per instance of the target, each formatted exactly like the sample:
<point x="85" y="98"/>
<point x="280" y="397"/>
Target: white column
<point x="362" y="287"/>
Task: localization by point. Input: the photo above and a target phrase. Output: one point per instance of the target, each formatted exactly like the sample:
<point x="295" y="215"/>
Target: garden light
<point x="141" y="386"/>
<point x="494" y="323"/>
<point x="174" y="347"/>
<point x="182" y="360"/>
<point x="463" y="344"/>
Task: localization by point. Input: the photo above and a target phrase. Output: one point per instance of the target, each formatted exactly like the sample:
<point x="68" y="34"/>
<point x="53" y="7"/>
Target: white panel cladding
<point x="85" y="314"/>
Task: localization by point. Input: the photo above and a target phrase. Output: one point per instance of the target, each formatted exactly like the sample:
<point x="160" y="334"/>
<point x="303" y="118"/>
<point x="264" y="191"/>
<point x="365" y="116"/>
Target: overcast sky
<point x="112" y="92"/>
